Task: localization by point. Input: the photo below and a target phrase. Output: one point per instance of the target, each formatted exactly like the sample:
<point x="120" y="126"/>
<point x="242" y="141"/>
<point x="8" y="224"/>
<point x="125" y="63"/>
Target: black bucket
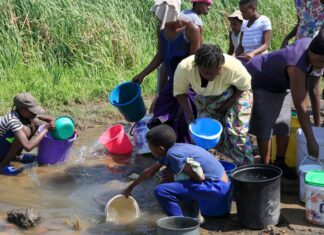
<point x="257" y="194"/>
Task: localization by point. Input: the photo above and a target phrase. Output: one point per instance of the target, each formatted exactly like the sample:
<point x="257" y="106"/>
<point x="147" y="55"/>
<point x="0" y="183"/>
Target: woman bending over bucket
<point x="222" y="85"/>
<point x="276" y="77"/>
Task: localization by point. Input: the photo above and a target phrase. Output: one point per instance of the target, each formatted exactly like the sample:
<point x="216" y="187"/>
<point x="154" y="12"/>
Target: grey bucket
<point x="177" y="225"/>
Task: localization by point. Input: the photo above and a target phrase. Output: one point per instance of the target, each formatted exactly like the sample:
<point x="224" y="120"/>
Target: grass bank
<point x="70" y="52"/>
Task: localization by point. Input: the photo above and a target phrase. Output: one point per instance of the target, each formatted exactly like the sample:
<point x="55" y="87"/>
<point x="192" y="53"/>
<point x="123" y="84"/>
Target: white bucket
<point x="122" y="210"/>
<point x="303" y="169"/>
<point x="302" y="145"/>
<point x="139" y="131"/>
<point x="315" y="204"/>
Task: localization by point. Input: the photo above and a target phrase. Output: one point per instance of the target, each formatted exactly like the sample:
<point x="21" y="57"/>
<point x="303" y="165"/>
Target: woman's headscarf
<point x="166" y="10"/>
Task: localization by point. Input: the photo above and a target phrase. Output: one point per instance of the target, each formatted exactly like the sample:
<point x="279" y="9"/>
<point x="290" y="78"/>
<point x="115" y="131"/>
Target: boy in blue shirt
<point x="203" y="176"/>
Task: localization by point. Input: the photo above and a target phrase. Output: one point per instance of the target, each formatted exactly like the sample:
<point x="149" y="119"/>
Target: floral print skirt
<point x="235" y="141"/>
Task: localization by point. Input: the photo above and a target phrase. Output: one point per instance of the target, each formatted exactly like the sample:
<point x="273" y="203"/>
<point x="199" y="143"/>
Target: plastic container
<point x="302" y="145"/>
<point x="64" y="128"/>
<point x="139" y="130"/>
<point x="53" y="151"/>
<point x="303" y="169"/>
<point x="218" y="207"/>
<point x="257" y="194"/>
<point x="128" y="99"/>
<point x="177" y="225"/>
<point x="116" y="140"/>
<point x="228" y="166"/>
<point x="120" y="209"/>
<point x="315" y="197"/>
<point x="291" y="151"/>
<point x="205" y="132"/>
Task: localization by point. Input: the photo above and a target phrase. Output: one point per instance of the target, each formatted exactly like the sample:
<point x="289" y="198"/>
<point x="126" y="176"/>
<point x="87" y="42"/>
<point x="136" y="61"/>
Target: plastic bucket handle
<point x="313" y="159"/>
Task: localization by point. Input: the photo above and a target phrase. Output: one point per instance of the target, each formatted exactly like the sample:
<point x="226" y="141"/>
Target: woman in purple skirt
<point x="177" y="39"/>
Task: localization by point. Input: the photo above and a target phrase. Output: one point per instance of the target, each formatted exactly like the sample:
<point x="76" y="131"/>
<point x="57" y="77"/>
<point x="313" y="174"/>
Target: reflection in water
<point x="79" y="191"/>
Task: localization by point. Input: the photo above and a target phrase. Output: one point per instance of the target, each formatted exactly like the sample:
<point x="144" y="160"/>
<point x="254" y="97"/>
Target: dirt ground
<point x="292" y="220"/>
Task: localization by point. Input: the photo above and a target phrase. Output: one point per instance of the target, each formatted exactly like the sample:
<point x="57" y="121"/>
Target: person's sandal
<point x="27" y="158"/>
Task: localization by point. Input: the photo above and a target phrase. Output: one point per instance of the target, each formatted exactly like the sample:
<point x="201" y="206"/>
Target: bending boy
<point x="204" y="178"/>
<point x="18" y="126"/>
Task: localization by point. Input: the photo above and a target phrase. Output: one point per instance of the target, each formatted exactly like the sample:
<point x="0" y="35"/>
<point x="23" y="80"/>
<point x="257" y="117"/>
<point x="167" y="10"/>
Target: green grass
<point x="75" y="51"/>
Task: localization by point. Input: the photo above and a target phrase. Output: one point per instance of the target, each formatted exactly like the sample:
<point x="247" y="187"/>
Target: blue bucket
<point x="128" y="99"/>
<point x="205" y="132"/>
<point x="228" y="166"/>
<point x="222" y="206"/>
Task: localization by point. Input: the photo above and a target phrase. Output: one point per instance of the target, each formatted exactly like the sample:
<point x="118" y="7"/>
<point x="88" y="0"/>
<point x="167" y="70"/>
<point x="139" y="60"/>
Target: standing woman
<point x="222" y="85"/>
<point x="177" y="40"/>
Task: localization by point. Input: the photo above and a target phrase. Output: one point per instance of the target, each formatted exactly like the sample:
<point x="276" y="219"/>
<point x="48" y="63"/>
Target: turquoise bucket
<point x="128" y="99"/>
<point x="64" y="128"/>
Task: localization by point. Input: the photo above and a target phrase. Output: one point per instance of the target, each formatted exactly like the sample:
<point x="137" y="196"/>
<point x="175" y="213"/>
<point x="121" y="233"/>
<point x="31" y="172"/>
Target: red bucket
<point x="116" y="140"/>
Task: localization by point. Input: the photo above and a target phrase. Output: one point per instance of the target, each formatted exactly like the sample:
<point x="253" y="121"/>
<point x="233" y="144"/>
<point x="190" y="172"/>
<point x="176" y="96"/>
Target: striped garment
<point x="252" y="36"/>
<point x="10" y="122"/>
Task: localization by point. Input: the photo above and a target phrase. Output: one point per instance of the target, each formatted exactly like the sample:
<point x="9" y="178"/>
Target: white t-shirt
<point x="192" y="17"/>
<point x="252" y="36"/>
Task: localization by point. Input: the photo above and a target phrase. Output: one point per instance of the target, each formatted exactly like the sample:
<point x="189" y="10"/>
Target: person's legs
<point x="170" y="195"/>
<point x="282" y="132"/>
<point x="5" y="144"/>
<point x="236" y="127"/>
<point x="266" y="109"/>
<point x="16" y="147"/>
<point x="264" y="150"/>
<point x="282" y="144"/>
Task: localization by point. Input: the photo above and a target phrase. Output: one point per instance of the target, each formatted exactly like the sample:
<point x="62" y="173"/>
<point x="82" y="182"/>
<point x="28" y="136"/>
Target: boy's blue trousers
<point x="186" y="192"/>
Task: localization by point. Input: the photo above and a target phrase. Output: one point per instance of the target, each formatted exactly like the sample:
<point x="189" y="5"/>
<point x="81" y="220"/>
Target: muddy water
<point x="71" y="197"/>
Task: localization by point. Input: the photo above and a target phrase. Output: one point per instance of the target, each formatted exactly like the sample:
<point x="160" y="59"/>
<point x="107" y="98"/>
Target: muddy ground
<point x="292" y="220"/>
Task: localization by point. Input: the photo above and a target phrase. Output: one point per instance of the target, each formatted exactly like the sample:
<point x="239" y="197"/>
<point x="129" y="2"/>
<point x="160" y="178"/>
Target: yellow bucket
<point x="291" y="151"/>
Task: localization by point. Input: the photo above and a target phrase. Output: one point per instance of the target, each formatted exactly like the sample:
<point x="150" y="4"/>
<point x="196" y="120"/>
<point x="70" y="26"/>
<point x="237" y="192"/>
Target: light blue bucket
<point x="205" y="132"/>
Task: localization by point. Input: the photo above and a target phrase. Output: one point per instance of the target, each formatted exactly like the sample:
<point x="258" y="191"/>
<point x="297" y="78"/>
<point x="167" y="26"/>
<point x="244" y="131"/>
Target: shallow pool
<point x="71" y="197"/>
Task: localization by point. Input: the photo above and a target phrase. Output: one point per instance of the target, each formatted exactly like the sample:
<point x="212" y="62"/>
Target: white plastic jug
<point x="139" y="130"/>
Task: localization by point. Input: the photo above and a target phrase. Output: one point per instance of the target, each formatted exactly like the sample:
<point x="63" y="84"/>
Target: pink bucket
<point x="53" y="151"/>
<point x="116" y="140"/>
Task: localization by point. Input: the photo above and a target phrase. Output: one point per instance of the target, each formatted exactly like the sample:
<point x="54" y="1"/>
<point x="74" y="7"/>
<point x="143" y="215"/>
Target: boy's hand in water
<point x="128" y="191"/>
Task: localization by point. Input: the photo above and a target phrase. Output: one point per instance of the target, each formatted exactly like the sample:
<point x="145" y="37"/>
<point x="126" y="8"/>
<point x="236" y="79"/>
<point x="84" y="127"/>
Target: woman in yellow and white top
<point x="223" y="88"/>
